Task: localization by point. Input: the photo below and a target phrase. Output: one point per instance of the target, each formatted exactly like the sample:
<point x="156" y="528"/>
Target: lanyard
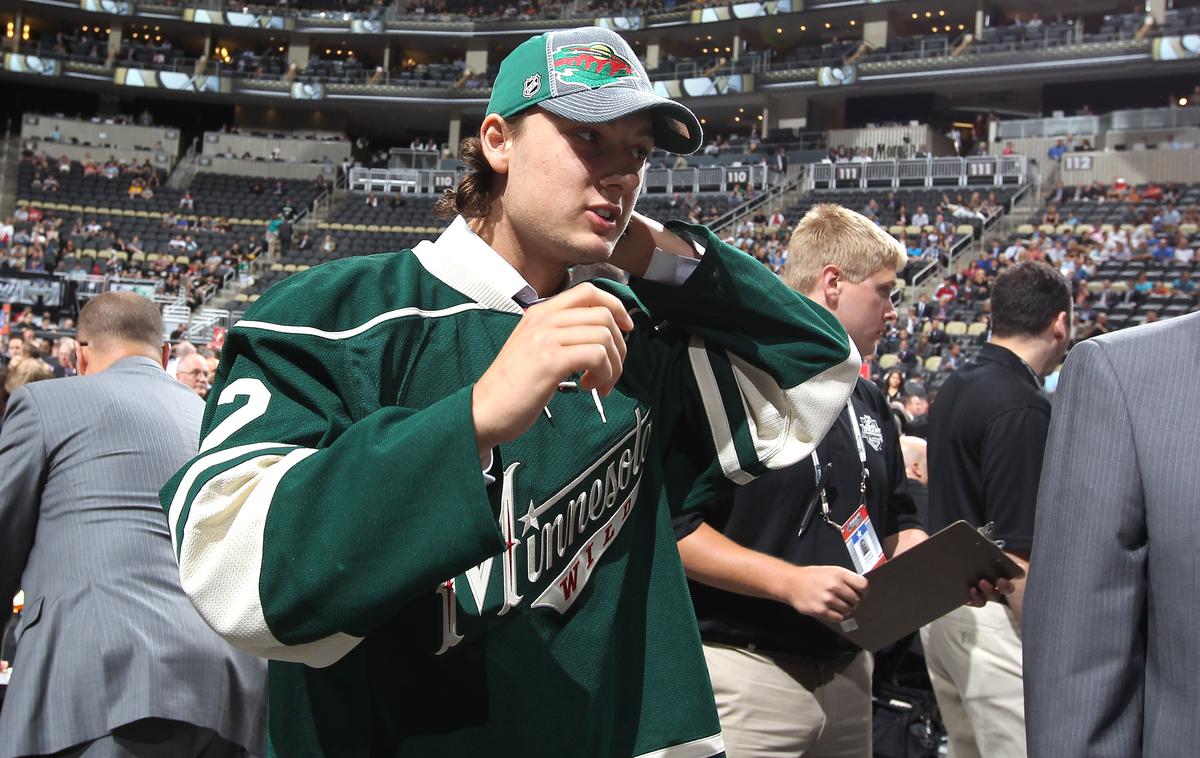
<point x="862" y="460"/>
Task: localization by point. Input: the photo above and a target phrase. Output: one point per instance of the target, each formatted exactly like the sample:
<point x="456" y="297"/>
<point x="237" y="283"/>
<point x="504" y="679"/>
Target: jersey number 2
<point x="257" y="396"/>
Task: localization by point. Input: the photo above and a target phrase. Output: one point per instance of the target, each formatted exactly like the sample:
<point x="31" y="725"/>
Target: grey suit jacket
<point x="107" y="635"/>
<point x="1112" y="614"/>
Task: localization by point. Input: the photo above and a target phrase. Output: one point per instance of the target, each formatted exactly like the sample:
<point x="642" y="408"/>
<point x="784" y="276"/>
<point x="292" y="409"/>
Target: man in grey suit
<point x="1111" y="652"/>
<point x="111" y="658"/>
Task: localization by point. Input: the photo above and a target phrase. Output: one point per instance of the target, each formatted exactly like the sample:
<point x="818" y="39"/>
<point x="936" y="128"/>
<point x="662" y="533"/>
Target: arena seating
<point x="1115" y="234"/>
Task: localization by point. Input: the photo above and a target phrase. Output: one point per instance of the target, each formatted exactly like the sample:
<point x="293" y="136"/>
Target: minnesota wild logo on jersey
<point x="593" y="66"/>
<point x="562" y="538"/>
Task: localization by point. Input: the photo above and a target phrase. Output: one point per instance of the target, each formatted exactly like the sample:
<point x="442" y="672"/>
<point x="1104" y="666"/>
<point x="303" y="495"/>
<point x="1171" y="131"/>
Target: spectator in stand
<point x="937" y="333"/>
<point x="193" y="372"/>
<point x="186" y="202"/>
<point x="1142" y="287"/>
<point x="1184" y="283"/>
<point x="947" y="289"/>
<point x="916" y="468"/>
<point x="952" y="358"/>
<point x="64" y="354"/>
<point x="1057" y="150"/>
<point x="1098" y="326"/>
<point x="923" y="309"/>
<point x="916" y="410"/>
<point x="1162" y="252"/>
<point x="893" y="385"/>
<point x="871" y="210"/>
<point x="920" y="218"/>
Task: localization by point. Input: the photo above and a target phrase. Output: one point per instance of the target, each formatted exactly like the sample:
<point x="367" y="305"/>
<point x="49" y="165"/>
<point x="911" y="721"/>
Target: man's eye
<point x="641" y="153"/>
<point x="587" y="135"/>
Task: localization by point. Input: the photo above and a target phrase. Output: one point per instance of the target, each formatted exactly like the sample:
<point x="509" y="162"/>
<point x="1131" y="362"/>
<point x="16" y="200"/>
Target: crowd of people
<point x="927" y="234"/>
<point x="50" y="242"/>
<point x="47" y="170"/>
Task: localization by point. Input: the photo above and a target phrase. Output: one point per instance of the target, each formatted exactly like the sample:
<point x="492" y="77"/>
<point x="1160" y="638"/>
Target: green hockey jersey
<point x="337" y="522"/>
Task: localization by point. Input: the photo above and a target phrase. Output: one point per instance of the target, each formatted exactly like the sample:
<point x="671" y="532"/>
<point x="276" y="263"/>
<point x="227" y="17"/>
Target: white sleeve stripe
<point x="312" y="331"/>
<point x="198" y="467"/>
<point x="704" y="747"/>
<point x="765" y="411"/>
<point x="714" y="408"/>
<point x="221" y="560"/>
<point x="787" y="424"/>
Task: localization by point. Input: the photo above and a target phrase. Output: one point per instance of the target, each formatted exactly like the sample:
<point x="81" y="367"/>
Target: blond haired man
<point x="768" y="562"/>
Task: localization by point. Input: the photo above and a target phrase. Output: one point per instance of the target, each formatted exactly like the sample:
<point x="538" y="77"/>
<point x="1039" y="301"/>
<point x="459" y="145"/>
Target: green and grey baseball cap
<point x="589" y="75"/>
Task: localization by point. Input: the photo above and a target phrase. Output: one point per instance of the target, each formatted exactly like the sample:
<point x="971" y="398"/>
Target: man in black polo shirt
<point x="987" y="434"/>
<point x="785" y="684"/>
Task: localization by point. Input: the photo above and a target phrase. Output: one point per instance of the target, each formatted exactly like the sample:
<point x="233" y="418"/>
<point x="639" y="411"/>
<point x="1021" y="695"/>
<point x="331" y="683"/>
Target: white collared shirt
<point x="472" y="254"/>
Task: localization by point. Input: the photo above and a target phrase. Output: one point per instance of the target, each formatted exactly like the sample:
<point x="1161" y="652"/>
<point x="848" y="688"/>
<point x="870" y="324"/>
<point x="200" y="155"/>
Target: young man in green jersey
<point x="435" y="489"/>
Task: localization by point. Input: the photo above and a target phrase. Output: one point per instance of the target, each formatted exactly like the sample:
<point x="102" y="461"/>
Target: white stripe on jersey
<point x="701" y="748"/>
<point x="312" y="331"/>
<point x="220" y="560"/>
<point x="785" y="425"/>
<point x="714" y="408"/>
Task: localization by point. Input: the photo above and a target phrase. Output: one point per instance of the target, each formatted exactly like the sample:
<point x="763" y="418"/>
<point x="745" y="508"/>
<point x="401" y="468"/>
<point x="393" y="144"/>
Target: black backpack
<point x="906" y="722"/>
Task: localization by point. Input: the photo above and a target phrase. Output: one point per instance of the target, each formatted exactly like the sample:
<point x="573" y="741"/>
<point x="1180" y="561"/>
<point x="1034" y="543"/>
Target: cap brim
<point x="676" y="128"/>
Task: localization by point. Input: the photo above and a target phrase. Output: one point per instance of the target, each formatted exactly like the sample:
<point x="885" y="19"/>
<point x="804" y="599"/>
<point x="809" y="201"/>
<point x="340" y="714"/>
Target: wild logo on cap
<point x="590" y="75"/>
<point x="593" y="66"/>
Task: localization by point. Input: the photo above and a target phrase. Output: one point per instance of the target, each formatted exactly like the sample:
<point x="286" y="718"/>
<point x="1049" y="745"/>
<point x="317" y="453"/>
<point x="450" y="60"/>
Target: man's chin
<point x="595" y="250"/>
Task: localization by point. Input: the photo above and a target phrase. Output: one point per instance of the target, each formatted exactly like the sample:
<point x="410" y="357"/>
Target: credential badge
<point x="532" y="85"/>
<point x="871" y="432"/>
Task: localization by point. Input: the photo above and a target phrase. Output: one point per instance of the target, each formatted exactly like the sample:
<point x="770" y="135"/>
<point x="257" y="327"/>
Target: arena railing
<point x="984" y="170"/>
<point x="1057" y="126"/>
<point x="1145" y="119"/>
<point x="393" y="14"/>
<point x="294" y="148"/>
<point x="657" y="181"/>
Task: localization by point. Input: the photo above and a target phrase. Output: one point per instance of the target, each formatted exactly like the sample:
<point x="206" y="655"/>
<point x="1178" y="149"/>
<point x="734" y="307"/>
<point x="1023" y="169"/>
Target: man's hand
<point x="579" y="330"/>
<point x="980" y="594"/>
<point x="825" y="592"/>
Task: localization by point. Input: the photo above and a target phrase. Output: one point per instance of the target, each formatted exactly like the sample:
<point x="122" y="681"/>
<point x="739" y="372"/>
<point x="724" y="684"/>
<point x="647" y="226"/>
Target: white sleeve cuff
<point x="668" y="268"/>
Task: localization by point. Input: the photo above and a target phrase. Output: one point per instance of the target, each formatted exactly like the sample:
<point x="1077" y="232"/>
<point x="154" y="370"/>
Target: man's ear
<point x="81" y="361"/>
<point x="1062" y="326"/>
<point x="496" y="135"/>
<point x="166" y="354"/>
<point x="831" y="280"/>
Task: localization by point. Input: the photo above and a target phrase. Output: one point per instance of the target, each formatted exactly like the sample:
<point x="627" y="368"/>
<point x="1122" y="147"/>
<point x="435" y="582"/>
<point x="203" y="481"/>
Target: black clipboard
<point x="924" y="583"/>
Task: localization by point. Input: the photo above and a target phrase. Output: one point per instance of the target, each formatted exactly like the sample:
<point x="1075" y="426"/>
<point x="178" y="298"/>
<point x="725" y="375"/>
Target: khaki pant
<point x="974" y="660"/>
<point x="781" y="705"/>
